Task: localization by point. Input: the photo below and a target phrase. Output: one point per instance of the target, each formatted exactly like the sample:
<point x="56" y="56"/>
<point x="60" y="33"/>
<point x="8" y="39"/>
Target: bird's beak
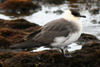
<point x="83" y="16"/>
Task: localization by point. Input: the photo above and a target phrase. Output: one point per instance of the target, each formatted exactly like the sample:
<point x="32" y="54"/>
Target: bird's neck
<point x="73" y="20"/>
<point x="70" y="17"/>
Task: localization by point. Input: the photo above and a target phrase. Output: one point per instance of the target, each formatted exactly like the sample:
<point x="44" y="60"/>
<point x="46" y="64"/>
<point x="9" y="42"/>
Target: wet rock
<point x="94" y="21"/>
<point x="73" y="6"/>
<point x="2" y="1"/>
<point x="15" y="30"/>
<point x="20" y="24"/>
<point x="7" y="32"/>
<point x="47" y="12"/>
<point x="95" y="11"/>
<point x="53" y="1"/>
<point x="99" y="22"/>
<point x="82" y="1"/>
<point x="4" y="43"/>
<point x="52" y="58"/>
<point x="32" y="29"/>
<point x="19" y="7"/>
<point x="89" y="53"/>
<point x="1" y="64"/>
<point x="26" y="59"/>
<point x="13" y="36"/>
<point x="58" y="12"/>
<point x="72" y="1"/>
<point x="17" y="24"/>
<point x="93" y="45"/>
<point x="87" y="38"/>
<point x="17" y="38"/>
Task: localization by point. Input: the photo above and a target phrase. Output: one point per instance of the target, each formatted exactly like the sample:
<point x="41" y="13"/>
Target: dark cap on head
<point x="76" y="13"/>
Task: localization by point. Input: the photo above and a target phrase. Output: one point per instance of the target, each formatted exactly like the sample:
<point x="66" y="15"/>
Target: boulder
<point x="18" y="7"/>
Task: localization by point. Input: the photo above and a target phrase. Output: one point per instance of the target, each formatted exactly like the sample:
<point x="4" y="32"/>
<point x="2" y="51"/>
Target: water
<point x="71" y="48"/>
<point x="42" y="17"/>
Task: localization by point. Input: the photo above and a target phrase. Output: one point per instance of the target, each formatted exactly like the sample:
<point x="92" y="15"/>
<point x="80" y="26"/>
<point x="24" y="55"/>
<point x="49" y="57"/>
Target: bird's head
<point x="73" y="15"/>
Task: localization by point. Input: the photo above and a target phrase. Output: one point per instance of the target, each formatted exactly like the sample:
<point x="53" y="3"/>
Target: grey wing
<point x="56" y="28"/>
<point x="31" y="35"/>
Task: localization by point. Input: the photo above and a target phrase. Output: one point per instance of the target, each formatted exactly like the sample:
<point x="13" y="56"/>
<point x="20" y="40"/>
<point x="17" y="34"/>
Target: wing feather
<point x="56" y="28"/>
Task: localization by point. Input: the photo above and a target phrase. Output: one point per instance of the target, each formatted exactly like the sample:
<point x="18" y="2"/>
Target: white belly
<point x="65" y="41"/>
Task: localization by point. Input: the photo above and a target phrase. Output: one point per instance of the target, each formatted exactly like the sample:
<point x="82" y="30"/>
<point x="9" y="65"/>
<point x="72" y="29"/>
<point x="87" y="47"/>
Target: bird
<point x="58" y="33"/>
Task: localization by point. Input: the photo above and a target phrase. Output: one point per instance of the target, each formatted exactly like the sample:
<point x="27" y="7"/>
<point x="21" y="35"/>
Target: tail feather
<point x="27" y="44"/>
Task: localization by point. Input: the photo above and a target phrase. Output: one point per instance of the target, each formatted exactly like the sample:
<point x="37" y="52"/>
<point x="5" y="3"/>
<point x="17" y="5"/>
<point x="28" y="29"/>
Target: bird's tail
<point x="27" y="44"/>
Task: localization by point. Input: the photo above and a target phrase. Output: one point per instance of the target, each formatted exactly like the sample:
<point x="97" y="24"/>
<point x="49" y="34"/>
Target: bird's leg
<point x="62" y="51"/>
<point x="65" y="52"/>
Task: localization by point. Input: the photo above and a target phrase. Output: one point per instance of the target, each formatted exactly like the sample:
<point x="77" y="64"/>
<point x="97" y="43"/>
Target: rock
<point x="17" y="24"/>
<point x="73" y="6"/>
<point x="15" y="30"/>
<point x="1" y="65"/>
<point x="94" y="21"/>
<point x="87" y="38"/>
<point x="13" y="36"/>
<point x="95" y="11"/>
<point x="1" y="1"/>
<point x="93" y="45"/>
<point x="32" y="29"/>
<point x="72" y="1"/>
<point x="82" y="1"/>
<point x="89" y="53"/>
<point x="99" y="22"/>
<point x="58" y="12"/>
<point x="56" y="2"/>
<point x="19" y="7"/>
<point x="52" y="58"/>
<point x="26" y="59"/>
<point x="7" y="32"/>
<point x="4" y="43"/>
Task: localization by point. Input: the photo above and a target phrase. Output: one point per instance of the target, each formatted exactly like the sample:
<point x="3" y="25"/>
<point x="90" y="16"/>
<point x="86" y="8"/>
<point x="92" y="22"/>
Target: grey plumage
<point x="45" y="36"/>
<point x="55" y="28"/>
<point x="31" y="35"/>
<point x="27" y="44"/>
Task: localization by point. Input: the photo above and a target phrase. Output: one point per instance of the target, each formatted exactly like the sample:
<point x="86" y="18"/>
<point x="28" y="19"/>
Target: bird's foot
<point x="68" y="55"/>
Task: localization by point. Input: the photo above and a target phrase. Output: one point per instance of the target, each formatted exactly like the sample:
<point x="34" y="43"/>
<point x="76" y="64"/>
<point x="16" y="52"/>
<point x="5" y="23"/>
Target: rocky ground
<point x="88" y="56"/>
<point x="13" y="32"/>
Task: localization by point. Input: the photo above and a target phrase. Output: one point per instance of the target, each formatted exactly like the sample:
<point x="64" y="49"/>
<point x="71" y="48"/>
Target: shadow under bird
<point x="58" y="33"/>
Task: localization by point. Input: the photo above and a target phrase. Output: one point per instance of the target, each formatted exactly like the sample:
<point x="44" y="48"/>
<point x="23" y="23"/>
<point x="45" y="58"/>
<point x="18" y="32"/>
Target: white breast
<point x="65" y="41"/>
